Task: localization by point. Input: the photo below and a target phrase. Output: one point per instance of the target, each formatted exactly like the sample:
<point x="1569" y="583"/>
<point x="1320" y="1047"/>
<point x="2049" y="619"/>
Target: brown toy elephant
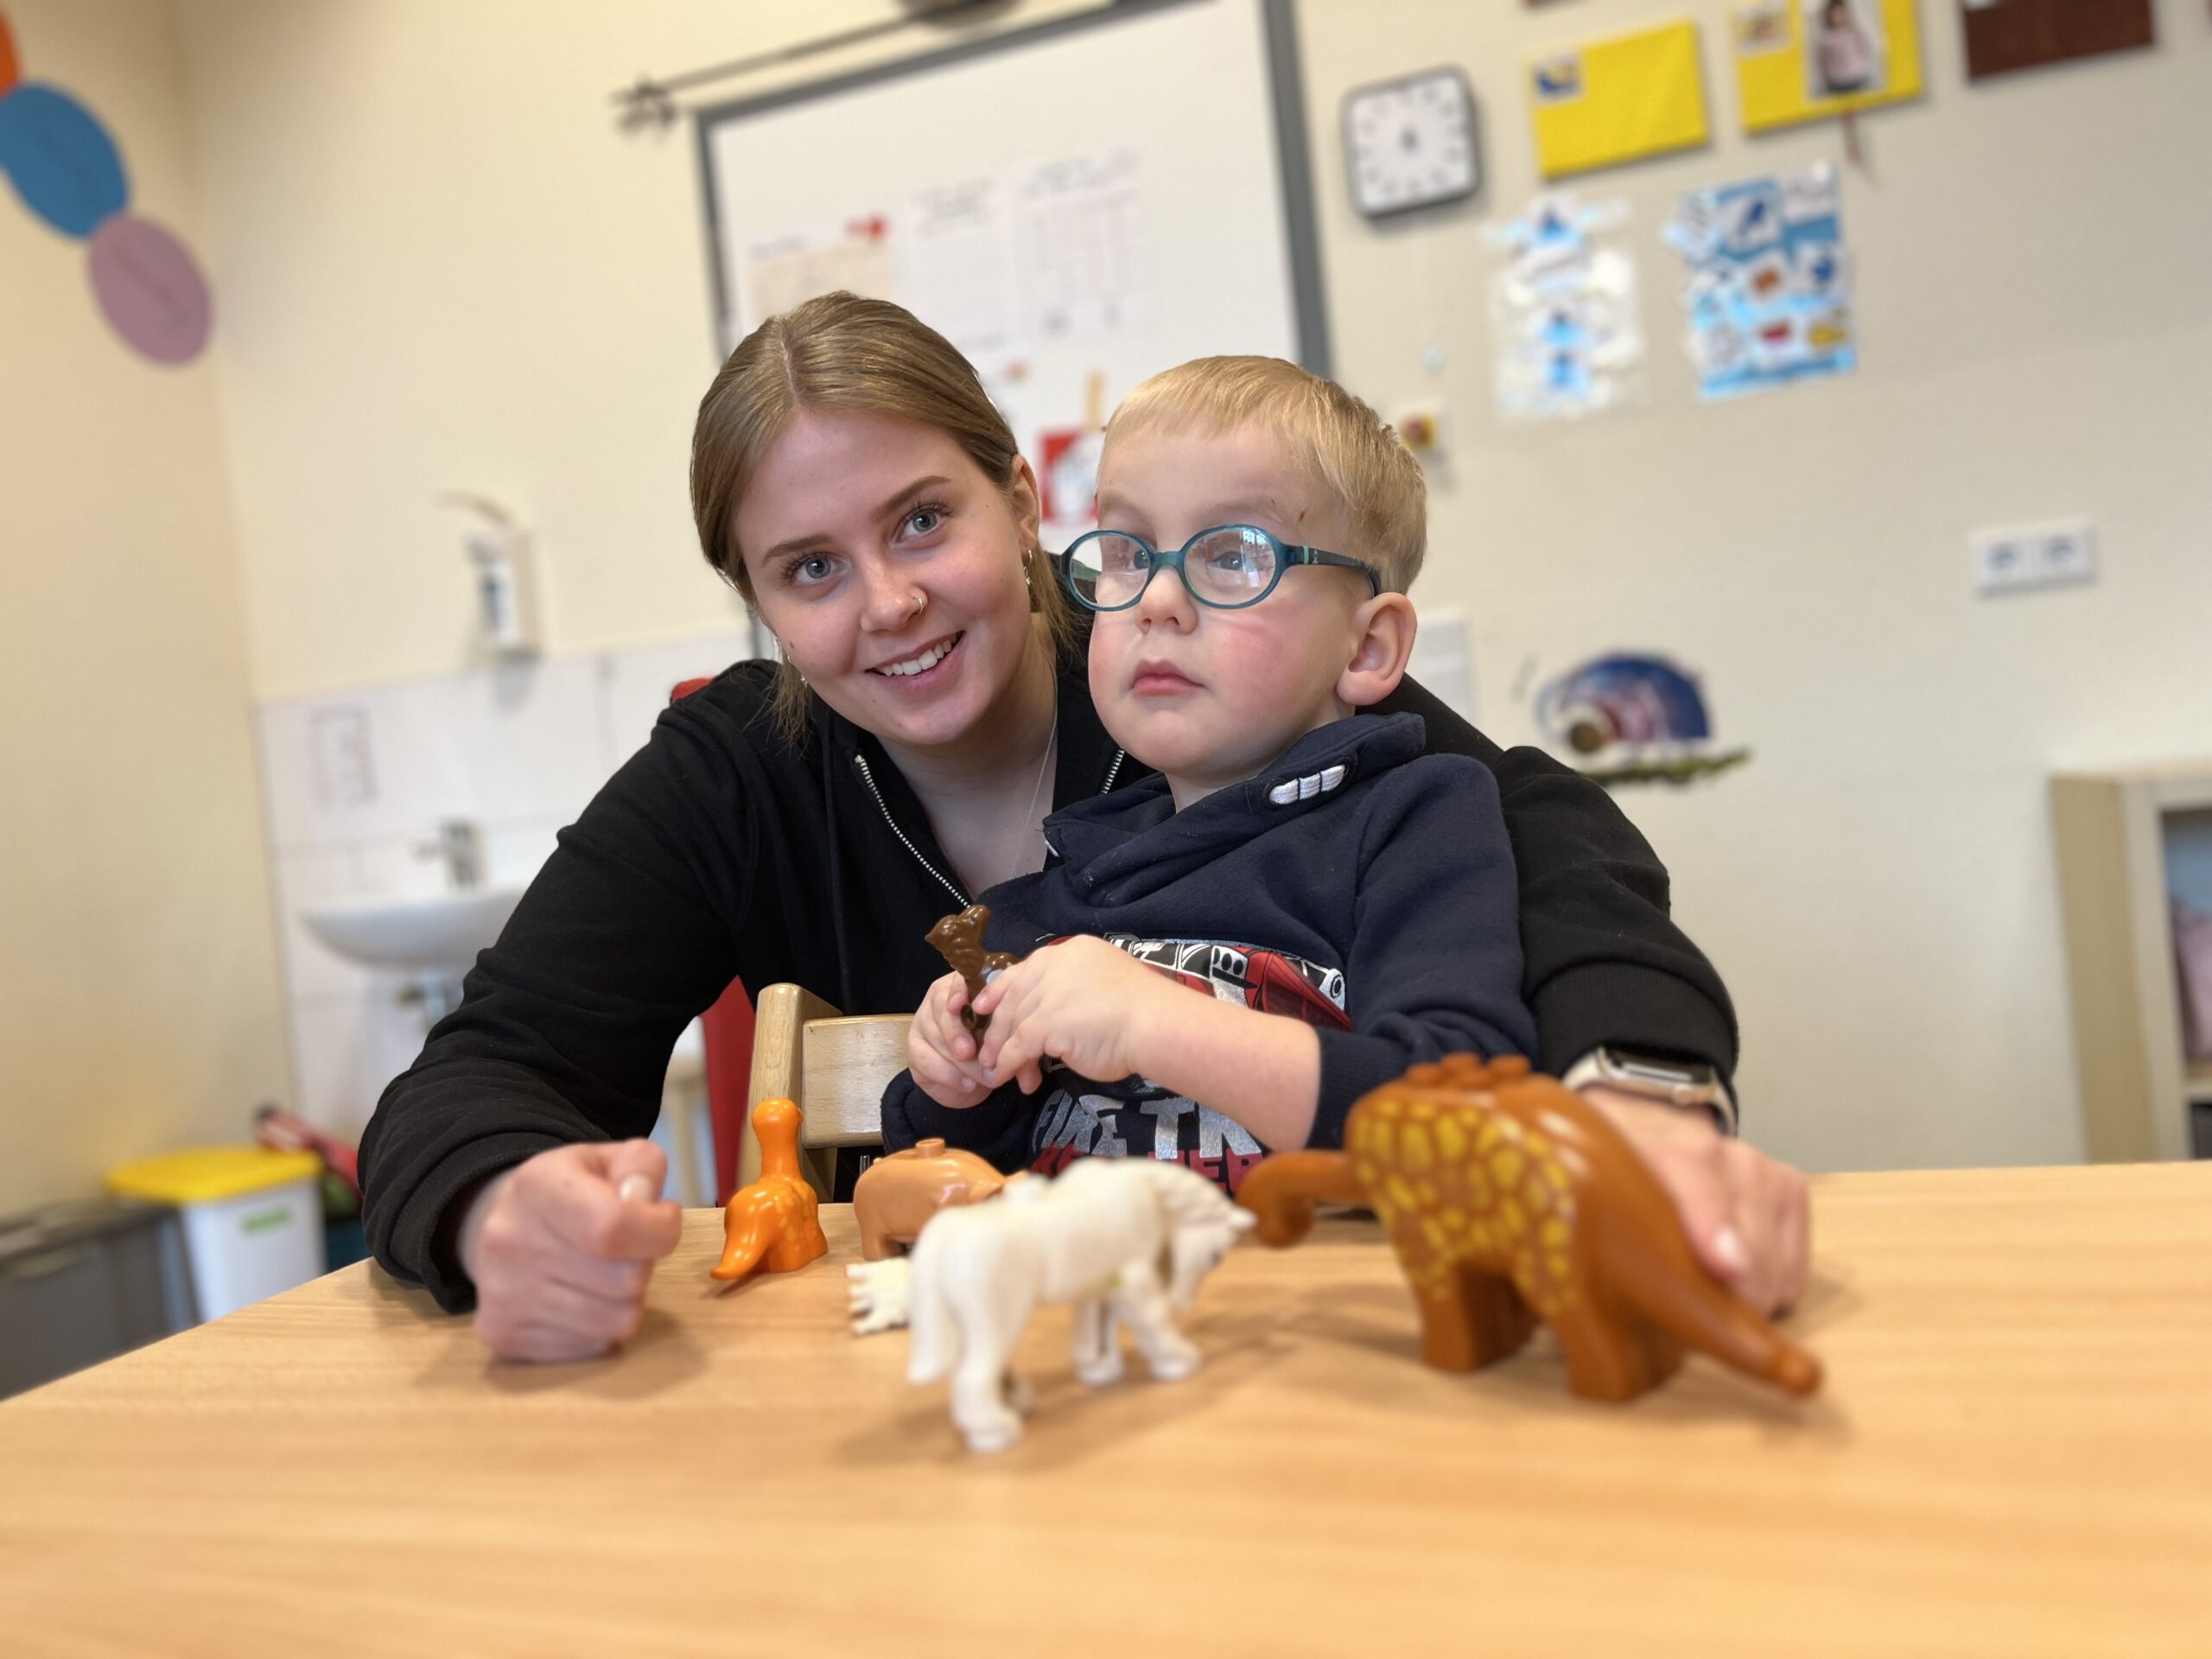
<point x="897" y="1194"/>
<point x="1510" y="1199"/>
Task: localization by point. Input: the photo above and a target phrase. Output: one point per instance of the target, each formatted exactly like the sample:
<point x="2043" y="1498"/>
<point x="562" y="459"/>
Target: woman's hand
<point x="1081" y="1002"/>
<point x="941" y="1052"/>
<point x="561" y="1248"/>
<point x="1748" y="1217"/>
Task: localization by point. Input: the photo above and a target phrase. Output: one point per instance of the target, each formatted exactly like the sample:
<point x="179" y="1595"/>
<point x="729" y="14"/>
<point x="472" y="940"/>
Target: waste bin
<point x="83" y="1282"/>
<point x="252" y="1218"/>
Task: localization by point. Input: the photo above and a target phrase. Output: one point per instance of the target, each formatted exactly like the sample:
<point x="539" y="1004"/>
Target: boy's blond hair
<point x="1374" y="477"/>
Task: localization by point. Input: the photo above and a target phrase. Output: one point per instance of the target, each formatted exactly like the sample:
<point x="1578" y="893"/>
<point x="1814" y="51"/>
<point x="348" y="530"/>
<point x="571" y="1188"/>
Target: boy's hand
<point x="940" y="1052"/>
<point x="1748" y="1217"/>
<point x="561" y="1248"/>
<point x="1081" y="1002"/>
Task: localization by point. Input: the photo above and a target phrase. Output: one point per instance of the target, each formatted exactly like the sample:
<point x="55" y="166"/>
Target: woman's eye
<point x="809" y="571"/>
<point x="924" y="521"/>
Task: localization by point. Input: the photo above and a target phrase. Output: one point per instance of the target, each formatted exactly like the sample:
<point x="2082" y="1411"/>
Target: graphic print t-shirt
<point x="1077" y="1117"/>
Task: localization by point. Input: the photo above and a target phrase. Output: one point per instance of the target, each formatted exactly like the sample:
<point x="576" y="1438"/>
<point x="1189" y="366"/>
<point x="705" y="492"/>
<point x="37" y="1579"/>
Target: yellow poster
<point x="1617" y="100"/>
<point x="1803" y="60"/>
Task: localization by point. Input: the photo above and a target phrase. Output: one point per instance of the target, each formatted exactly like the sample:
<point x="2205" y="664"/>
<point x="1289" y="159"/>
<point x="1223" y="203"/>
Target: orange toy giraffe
<point x="776" y="1222"/>
<point x="1509" y="1199"/>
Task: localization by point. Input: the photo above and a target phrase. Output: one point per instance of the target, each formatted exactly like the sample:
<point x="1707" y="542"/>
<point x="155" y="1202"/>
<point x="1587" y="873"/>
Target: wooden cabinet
<point x="2141" y="1096"/>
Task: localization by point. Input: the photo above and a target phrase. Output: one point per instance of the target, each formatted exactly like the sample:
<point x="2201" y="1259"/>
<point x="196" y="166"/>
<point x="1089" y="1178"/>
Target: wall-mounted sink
<point x="440" y="934"/>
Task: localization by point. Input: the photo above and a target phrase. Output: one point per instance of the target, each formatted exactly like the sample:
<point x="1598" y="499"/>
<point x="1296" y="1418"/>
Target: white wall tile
<point x="637" y="682"/>
<point x="306" y="880"/>
<point x="335" y="1088"/>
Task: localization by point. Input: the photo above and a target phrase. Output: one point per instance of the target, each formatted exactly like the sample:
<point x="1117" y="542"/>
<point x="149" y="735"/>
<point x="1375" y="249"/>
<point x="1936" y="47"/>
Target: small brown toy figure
<point x="776" y="1222"/>
<point x="900" y="1192"/>
<point x="959" y="940"/>
<point x="1510" y="1199"/>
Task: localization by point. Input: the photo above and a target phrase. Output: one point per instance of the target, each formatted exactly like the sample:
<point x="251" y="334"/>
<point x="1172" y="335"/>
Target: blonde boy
<point x="1258" y="529"/>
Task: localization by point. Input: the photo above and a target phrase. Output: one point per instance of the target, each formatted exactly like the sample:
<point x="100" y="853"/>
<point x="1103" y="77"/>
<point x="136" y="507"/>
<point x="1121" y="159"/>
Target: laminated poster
<point x="1768" y="284"/>
<point x="1617" y="100"/>
<point x="1805" y="59"/>
<point x="1563" y="311"/>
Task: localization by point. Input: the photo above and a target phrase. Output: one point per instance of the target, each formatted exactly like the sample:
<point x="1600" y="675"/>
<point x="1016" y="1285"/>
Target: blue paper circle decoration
<point x="61" y="159"/>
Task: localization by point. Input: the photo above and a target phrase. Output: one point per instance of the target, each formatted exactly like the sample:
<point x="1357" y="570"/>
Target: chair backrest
<point x="834" y="1066"/>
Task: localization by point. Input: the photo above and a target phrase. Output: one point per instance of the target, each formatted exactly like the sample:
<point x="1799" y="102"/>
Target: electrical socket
<point x="2035" y="555"/>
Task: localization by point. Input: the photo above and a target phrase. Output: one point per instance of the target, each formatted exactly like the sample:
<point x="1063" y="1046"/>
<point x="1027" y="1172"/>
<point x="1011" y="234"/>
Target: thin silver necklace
<point x="1044" y="767"/>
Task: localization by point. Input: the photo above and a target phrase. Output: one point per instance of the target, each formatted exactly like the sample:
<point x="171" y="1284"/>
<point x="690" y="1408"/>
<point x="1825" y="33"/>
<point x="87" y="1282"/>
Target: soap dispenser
<point x="506" y="586"/>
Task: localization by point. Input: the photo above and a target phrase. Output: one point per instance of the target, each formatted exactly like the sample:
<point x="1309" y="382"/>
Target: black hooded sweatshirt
<point x="721" y="850"/>
<point x="1358" y="884"/>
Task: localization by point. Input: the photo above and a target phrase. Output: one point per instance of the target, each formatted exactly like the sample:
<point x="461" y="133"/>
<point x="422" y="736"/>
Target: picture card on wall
<point x="1805" y="59"/>
<point x="1617" y="100"/>
<point x="2005" y="35"/>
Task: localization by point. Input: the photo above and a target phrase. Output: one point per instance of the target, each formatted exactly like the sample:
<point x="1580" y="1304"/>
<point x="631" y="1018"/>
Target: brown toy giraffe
<point x="1510" y="1199"/>
<point x="775" y="1222"/>
<point x="959" y="940"/>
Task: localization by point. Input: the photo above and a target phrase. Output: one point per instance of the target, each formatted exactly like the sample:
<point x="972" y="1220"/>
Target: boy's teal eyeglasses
<point x="1228" y="568"/>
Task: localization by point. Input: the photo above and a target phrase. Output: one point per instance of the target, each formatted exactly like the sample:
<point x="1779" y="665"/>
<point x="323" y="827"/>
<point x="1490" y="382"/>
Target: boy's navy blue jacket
<point x="1358" y="883"/>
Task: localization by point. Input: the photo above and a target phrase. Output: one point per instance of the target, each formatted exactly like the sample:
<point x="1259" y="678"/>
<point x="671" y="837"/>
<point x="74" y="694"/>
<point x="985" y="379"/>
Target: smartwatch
<point x="1658" y="1076"/>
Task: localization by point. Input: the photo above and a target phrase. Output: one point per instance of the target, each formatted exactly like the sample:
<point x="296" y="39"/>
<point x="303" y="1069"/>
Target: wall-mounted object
<point x="1806" y="60"/>
<point x="507" y="620"/>
<point x="1563" y="310"/>
<point x="1059" y="260"/>
<point x="67" y="170"/>
<point x="2003" y="36"/>
<point x="1617" y="100"/>
<point x="1632" y="719"/>
<point x="1767" y="291"/>
<point x="1410" y="142"/>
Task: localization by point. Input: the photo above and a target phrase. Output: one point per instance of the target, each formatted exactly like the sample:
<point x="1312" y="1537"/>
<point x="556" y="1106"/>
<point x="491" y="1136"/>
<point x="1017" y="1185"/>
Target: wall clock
<point x="1411" y="142"/>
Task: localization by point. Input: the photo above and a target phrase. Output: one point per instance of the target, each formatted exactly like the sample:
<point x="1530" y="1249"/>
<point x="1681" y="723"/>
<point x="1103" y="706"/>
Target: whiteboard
<point x="1075" y="206"/>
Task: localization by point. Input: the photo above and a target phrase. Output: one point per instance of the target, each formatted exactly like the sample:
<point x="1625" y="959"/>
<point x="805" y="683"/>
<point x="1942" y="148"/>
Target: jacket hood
<point x="1093" y="836"/>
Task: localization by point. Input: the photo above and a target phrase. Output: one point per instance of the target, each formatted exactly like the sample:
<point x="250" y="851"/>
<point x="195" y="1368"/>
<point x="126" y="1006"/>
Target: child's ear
<point x="1384" y="645"/>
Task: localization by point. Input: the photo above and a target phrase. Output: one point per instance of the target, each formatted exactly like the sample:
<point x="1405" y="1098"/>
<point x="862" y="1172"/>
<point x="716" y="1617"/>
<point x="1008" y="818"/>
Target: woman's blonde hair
<point x="842" y="352"/>
<point x="1374" y="477"/>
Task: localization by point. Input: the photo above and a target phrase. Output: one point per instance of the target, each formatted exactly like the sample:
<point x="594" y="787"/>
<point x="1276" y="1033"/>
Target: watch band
<point x="1675" y="1083"/>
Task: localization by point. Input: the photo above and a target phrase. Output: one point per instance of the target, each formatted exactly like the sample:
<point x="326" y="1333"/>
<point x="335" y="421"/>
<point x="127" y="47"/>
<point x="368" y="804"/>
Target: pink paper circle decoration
<point x="150" y="288"/>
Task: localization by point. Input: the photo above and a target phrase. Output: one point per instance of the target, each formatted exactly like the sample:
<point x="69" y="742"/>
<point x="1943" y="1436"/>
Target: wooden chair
<point x="834" y="1066"/>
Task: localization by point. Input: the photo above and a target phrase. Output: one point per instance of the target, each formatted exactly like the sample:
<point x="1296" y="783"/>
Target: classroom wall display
<point x="1563" y="311"/>
<point x="66" y="170"/>
<point x="1631" y="717"/>
<point x="1805" y="59"/>
<point x="1617" y="100"/>
<point x="1768" y="288"/>
<point x="1067" y="259"/>
<point x="2005" y="36"/>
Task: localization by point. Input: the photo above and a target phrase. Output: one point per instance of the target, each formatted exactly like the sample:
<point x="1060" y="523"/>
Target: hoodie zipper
<point x="867" y="777"/>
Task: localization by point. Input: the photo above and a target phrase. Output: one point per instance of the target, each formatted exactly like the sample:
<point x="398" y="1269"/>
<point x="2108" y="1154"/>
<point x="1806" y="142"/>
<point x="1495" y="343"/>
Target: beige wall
<point x="442" y="267"/>
<point x="139" y="1005"/>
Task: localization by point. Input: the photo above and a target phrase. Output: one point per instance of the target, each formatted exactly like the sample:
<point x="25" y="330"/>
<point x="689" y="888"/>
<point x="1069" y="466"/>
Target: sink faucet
<point x="461" y="843"/>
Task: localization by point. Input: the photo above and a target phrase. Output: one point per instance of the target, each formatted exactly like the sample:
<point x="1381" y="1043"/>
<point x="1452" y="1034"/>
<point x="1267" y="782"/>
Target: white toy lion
<point x="1097" y="1237"/>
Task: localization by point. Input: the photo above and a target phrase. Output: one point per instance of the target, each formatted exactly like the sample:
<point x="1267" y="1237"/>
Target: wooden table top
<point x="2012" y="1456"/>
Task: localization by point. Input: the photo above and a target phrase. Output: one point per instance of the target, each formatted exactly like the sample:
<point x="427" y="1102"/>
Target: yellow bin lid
<point x="205" y="1174"/>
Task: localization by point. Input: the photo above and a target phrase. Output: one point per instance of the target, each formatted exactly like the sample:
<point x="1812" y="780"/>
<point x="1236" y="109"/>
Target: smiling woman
<point x="810" y="822"/>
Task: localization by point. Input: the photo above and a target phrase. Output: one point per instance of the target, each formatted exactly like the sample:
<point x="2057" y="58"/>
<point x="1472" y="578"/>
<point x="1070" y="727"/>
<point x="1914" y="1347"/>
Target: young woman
<point x="808" y="821"/>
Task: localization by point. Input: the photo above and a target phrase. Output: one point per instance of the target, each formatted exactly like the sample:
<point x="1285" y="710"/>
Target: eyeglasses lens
<point x="1231" y="567"/>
